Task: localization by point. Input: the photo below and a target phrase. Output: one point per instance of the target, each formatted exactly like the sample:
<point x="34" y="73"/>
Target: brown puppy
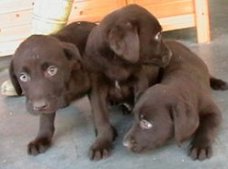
<point x="48" y="70"/>
<point x="180" y="106"/>
<point x="116" y="51"/>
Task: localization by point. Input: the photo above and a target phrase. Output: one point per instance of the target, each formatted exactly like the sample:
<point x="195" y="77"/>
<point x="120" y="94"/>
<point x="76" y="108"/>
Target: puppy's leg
<point x="105" y="132"/>
<point x="43" y="139"/>
<point x="201" y="145"/>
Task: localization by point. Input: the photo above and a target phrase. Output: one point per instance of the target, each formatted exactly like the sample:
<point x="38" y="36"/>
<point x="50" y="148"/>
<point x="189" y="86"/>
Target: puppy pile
<point x="123" y="60"/>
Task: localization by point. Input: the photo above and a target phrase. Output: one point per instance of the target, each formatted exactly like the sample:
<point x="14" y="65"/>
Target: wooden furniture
<point x="16" y="17"/>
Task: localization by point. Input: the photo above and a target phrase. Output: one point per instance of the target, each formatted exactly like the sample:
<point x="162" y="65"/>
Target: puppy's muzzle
<point x="129" y="142"/>
<point x="40" y="105"/>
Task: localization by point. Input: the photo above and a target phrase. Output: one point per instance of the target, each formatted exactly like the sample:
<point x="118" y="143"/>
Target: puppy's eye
<point x="24" y="77"/>
<point x="144" y="124"/>
<point x="52" y="70"/>
<point x="158" y="36"/>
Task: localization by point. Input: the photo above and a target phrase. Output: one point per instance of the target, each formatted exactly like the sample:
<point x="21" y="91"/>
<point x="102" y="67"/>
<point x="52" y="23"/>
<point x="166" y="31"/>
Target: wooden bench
<point x="16" y="17"/>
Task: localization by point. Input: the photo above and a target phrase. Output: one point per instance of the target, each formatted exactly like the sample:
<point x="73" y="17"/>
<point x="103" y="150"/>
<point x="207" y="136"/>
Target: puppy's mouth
<point x="43" y="111"/>
<point x="50" y="108"/>
<point x="136" y="149"/>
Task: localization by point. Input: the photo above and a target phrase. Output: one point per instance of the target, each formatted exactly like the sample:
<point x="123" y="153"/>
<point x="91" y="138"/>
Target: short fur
<point x="122" y="50"/>
<point x="46" y="94"/>
<point x="73" y="80"/>
<point x="181" y="106"/>
<point x="118" y="50"/>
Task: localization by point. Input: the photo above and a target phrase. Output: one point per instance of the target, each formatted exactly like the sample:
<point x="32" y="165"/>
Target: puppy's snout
<point x="40" y="105"/>
<point x="129" y="142"/>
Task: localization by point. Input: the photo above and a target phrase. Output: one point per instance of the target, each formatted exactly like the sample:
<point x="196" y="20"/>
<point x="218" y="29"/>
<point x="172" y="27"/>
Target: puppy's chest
<point x="120" y="91"/>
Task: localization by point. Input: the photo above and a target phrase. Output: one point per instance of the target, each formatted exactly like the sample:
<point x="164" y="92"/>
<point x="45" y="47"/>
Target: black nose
<point x="40" y="105"/>
<point x="129" y="142"/>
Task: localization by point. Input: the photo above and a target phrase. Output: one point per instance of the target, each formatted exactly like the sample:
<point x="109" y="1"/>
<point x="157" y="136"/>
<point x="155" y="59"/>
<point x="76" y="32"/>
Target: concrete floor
<point x="74" y="129"/>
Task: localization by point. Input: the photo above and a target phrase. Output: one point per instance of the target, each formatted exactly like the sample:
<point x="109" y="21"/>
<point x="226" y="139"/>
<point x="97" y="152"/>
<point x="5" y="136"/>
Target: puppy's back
<point x="76" y="33"/>
<point x="186" y="63"/>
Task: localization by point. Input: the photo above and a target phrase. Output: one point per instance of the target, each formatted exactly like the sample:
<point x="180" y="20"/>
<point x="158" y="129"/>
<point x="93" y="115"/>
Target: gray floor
<point x="74" y="130"/>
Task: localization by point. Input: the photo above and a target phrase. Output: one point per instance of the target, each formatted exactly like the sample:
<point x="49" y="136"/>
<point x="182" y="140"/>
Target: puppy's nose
<point x="129" y="142"/>
<point x="40" y="105"/>
<point x="126" y="143"/>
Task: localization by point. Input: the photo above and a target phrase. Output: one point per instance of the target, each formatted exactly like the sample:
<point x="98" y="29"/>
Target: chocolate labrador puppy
<point x="181" y="106"/>
<point x="48" y="70"/>
<point x="118" y="48"/>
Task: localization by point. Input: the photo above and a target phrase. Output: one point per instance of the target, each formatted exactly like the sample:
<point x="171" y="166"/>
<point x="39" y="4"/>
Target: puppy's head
<point x="159" y="116"/>
<point x="40" y="69"/>
<point x="125" y="39"/>
<point x="107" y="62"/>
<point x="136" y="36"/>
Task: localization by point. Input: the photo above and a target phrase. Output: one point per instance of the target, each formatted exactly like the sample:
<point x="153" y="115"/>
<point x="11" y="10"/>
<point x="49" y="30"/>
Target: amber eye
<point x="24" y="77"/>
<point x="52" y="70"/>
<point x="144" y="124"/>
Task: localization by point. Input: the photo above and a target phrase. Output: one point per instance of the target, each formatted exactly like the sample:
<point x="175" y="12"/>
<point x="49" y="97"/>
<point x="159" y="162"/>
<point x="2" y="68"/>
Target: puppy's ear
<point x="72" y="54"/>
<point x="124" y="41"/>
<point x="14" y="80"/>
<point x="185" y="120"/>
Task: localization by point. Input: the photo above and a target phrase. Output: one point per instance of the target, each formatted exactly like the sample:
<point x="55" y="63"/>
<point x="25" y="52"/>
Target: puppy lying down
<point x="181" y="106"/>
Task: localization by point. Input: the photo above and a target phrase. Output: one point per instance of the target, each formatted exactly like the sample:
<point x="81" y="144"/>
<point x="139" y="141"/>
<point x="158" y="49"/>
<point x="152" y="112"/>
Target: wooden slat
<point x="92" y="10"/>
<point x="166" y="8"/>
<point x="7" y="6"/>
<point x="9" y="47"/>
<point x="202" y="21"/>
<point x="177" y="22"/>
<point x="12" y="37"/>
<point x="16" y="32"/>
<point x="15" y="18"/>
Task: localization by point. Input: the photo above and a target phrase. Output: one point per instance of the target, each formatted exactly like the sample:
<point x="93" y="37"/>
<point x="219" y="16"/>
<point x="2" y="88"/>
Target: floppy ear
<point x="124" y="41"/>
<point x="72" y="54"/>
<point x="185" y="120"/>
<point x="14" y="80"/>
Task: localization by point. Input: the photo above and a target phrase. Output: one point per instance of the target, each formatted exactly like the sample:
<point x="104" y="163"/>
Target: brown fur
<point x="117" y="51"/>
<point x="181" y="106"/>
<point x="46" y="94"/>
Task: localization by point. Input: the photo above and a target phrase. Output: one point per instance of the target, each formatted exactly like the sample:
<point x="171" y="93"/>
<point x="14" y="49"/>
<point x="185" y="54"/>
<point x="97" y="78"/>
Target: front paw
<point x="102" y="147"/>
<point x="200" y="151"/>
<point x="39" y="145"/>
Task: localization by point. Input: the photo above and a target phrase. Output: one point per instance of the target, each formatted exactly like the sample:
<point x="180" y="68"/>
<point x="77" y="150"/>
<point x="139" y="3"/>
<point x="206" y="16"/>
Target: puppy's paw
<point x="39" y="145"/>
<point x="102" y="147"/>
<point x="200" y="152"/>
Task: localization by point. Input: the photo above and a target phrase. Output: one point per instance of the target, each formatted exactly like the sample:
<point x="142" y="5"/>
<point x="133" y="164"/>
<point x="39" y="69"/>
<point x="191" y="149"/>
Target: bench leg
<point x="202" y="21"/>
